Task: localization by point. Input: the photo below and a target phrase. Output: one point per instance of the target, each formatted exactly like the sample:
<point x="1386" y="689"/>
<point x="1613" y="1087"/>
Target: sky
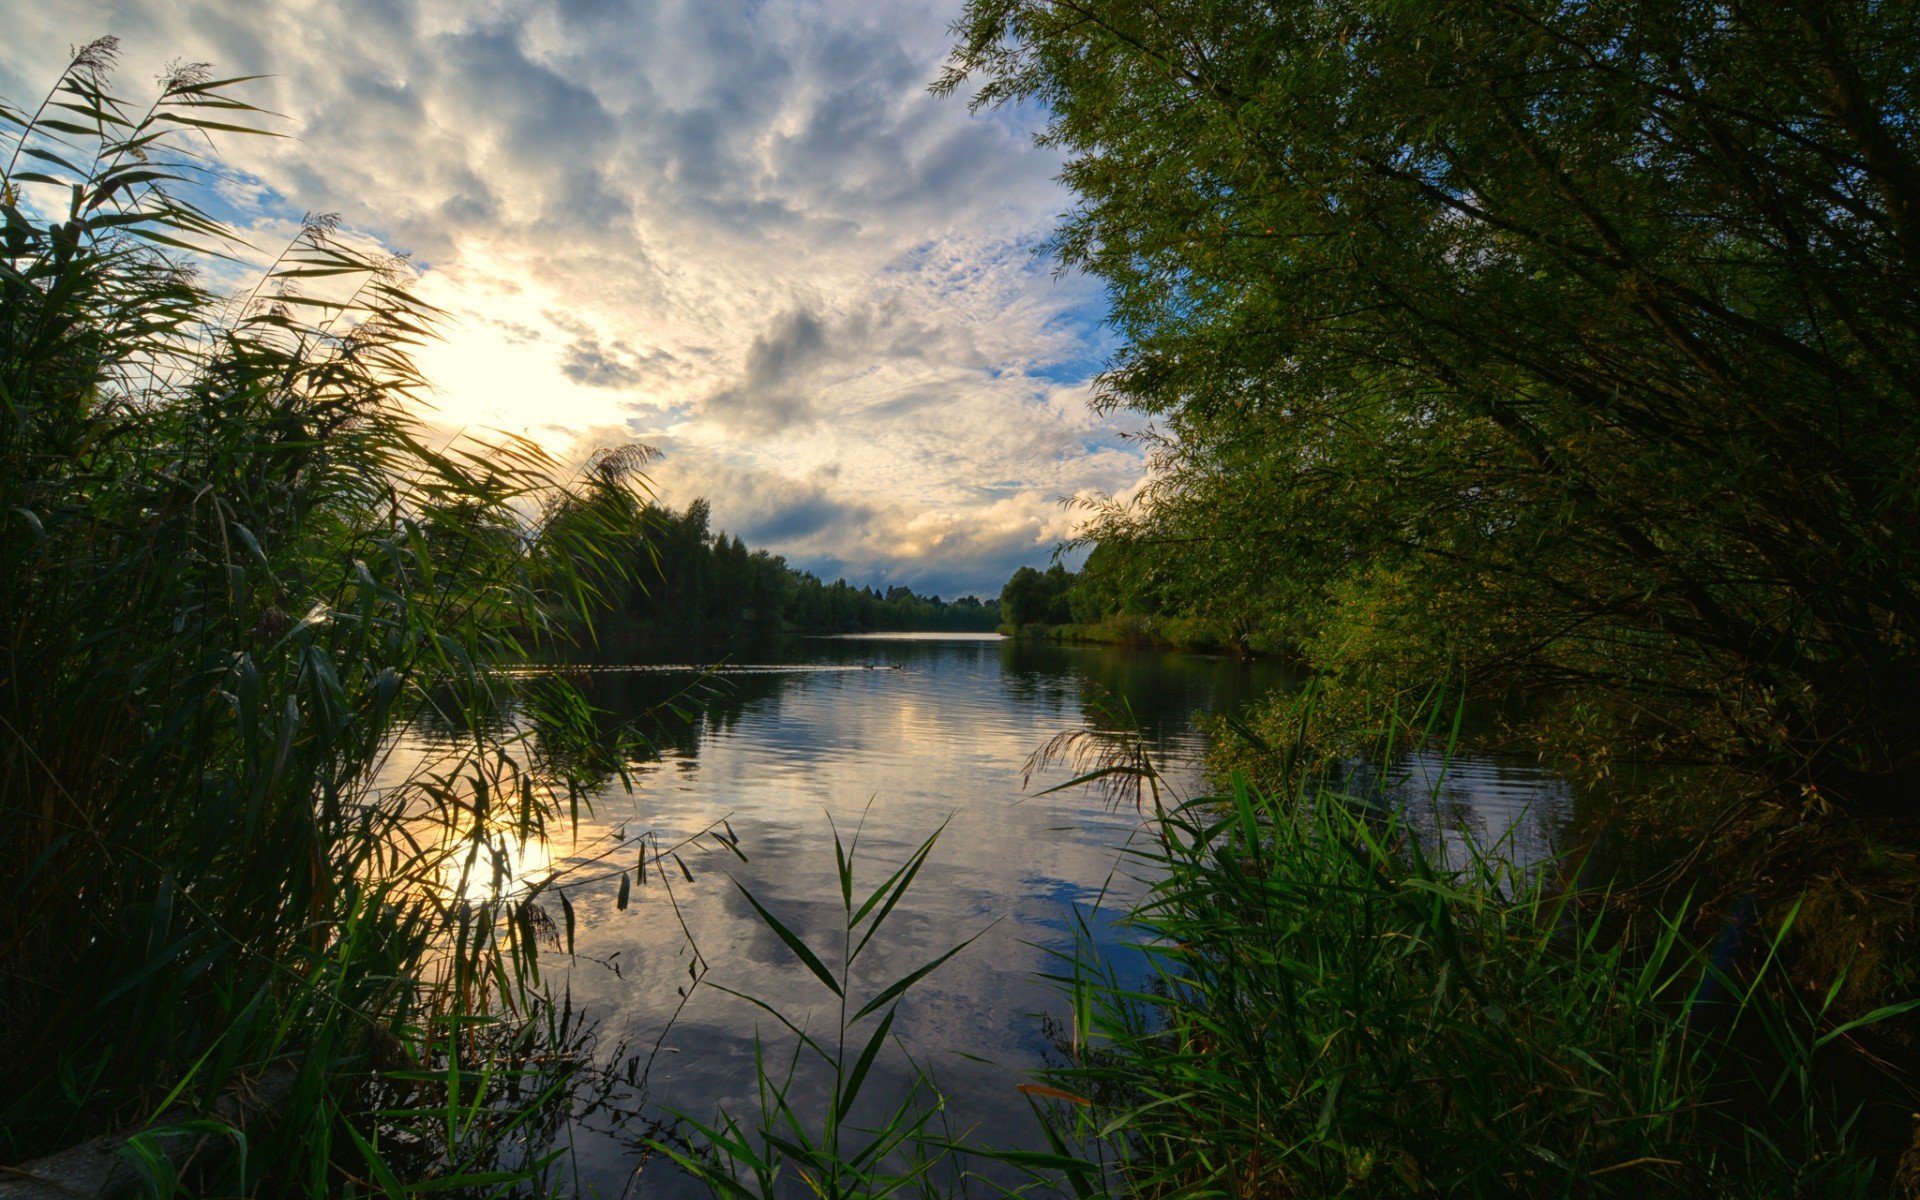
<point x="742" y="233"/>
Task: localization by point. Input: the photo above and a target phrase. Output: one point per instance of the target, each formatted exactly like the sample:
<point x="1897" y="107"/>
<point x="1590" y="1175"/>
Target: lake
<point x="894" y="736"/>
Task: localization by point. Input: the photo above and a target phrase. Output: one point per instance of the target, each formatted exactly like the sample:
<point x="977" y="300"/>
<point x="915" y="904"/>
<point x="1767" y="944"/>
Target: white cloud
<point x="743" y="230"/>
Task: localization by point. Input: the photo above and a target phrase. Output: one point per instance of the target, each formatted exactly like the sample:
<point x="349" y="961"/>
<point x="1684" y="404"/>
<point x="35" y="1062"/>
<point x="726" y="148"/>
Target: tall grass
<point x="1322" y="1012"/>
<point x="234" y="565"/>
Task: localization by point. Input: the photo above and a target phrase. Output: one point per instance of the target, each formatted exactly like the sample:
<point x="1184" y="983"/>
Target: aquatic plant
<point x="811" y="1133"/>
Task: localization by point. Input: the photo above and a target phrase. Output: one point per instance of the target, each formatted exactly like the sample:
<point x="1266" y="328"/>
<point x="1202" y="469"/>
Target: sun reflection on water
<point x="500" y="866"/>
<point x="456" y="847"/>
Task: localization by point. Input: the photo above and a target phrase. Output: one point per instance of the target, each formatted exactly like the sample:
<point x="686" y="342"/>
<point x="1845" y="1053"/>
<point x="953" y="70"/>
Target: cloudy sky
<point x="741" y="232"/>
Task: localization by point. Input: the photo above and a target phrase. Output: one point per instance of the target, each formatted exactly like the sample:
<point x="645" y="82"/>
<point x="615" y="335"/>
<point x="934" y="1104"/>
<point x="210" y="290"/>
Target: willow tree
<point x="1572" y="346"/>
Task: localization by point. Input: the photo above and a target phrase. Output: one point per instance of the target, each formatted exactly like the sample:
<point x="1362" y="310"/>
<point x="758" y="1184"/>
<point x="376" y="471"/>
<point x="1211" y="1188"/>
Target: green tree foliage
<point x="1035" y="597"/>
<point x="232" y="569"/>
<point x="687" y="578"/>
<point x="1571" y="346"/>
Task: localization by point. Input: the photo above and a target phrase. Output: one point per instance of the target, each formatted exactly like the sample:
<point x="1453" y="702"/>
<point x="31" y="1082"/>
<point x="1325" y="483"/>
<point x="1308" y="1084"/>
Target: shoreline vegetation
<point x="1093" y="606"/>
<point x="1573" y="361"/>
<point x="1555" y="354"/>
<point x="1333" y="1011"/>
<point x="1193" y="635"/>
<point x="1333" y="1005"/>
<point x="235" y="566"/>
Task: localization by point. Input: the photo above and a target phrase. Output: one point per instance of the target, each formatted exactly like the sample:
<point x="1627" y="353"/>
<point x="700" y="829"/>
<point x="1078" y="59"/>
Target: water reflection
<point x="1472" y="804"/>
<point x="891" y="735"/>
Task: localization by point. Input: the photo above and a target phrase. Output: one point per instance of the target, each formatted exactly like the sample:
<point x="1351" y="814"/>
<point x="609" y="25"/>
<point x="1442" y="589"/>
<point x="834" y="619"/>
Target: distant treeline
<point x="689" y="578"/>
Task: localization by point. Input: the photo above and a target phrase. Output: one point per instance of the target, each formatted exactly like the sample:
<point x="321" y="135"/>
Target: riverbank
<point x="1196" y="635"/>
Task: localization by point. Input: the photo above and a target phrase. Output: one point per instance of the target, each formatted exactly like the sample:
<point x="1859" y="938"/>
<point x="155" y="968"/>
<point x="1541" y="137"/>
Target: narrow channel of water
<point x="893" y="735"/>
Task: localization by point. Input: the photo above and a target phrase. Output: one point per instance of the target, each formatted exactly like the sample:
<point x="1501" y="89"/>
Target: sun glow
<point x="493" y="367"/>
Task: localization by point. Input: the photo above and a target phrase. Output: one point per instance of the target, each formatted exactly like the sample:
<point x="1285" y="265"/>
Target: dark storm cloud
<point x="517" y="333"/>
<point x="801" y="519"/>
<point x="770" y="396"/>
<point x="586" y="363"/>
<point x="795" y="343"/>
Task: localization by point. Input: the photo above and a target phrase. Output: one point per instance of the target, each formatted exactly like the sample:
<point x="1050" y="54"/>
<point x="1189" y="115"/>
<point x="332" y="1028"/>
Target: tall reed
<point x="1310" y="1005"/>
<point x="1315" y="1009"/>
<point x="234" y="564"/>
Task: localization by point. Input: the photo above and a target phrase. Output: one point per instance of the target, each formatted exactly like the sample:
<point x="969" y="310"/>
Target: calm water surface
<point x="892" y="735"/>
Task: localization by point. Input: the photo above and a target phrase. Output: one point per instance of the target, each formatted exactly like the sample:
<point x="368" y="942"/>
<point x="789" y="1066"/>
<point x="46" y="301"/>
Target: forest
<point x="685" y="578"/>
